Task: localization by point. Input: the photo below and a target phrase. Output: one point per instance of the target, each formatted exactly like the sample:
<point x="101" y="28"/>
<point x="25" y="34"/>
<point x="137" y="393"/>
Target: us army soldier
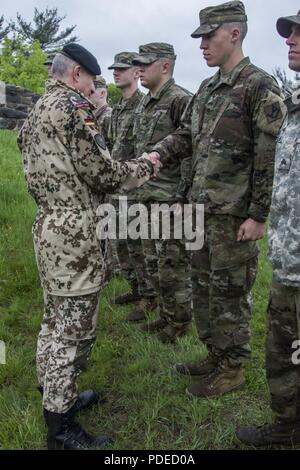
<point x="283" y="334"/>
<point x="126" y="77"/>
<point x="230" y="125"/>
<point x="103" y="111"/>
<point x="68" y="171"/>
<point x="167" y="260"/>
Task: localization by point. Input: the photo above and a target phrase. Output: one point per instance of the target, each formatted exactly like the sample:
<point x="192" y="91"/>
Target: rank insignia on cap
<point x="99" y="139"/>
<point x="273" y="112"/>
<point x="89" y="122"/>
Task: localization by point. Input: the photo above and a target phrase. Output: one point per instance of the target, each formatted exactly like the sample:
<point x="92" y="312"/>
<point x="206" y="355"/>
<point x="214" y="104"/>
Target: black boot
<point x="267" y="435"/>
<point x="85" y="399"/>
<point x="64" y="433"/>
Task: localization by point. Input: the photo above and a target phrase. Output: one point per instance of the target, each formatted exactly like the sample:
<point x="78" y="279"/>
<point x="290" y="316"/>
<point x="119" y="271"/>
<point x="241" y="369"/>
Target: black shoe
<point x="85" y="399"/>
<point x="64" y="433"/>
<point x="280" y="433"/>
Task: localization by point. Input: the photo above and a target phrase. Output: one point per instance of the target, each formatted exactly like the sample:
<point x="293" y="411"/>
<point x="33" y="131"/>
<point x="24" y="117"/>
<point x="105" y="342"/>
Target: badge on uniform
<point x="273" y="112"/>
<point x="89" y="122"/>
<point x="100" y="141"/>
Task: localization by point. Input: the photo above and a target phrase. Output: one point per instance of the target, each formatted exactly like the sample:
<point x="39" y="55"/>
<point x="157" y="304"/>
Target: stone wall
<point x="15" y="104"/>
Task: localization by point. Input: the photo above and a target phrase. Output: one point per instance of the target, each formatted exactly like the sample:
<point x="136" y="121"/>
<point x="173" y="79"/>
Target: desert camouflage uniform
<point x="68" y="171"/>
<point x="168" y="262"/>
<point x="230" y="127"/>
<point x="284" y="244"/>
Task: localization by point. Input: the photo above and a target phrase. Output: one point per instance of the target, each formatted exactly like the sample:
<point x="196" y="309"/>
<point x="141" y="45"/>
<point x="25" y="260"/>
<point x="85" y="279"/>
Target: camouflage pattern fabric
<point x="103" y="117"/>
<point x="166" y="260"/>
<point x="283" y="330"/>
<point x="155" y="118"/>
<point x="65" y="340"/>
<point x="284" y="228"/>
<point x="230" y="129"/>
<point x="68" y="171"/>
<point x="223" y="273"/>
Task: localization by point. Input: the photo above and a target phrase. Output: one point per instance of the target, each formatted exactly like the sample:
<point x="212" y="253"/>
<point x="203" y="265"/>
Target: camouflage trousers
<point x="132" y="264"/>
<point x="223" y="273"/>
<point x="168" y="270"/>
<point x="283" y="372"/>
<point x="67" y="334"/>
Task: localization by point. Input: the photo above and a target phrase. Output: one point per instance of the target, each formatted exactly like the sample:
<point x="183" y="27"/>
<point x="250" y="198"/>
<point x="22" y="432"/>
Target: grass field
<point x="146" y="406"/>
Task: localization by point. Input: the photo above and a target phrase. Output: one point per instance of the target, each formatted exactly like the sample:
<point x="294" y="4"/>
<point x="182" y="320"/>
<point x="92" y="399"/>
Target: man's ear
<point x="235" y="35"/>
<point x="76" y="73"/>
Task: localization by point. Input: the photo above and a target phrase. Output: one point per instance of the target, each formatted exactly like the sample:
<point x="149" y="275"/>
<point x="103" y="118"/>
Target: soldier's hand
<point x="250" y="230"/>
<point x="154" y="158"/>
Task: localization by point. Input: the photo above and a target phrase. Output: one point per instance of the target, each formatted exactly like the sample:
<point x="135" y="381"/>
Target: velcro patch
<point x="82" y="105"/>
<point x="273" y="112"/>
<point x="99" y="139"/>
<point x="89" y="122"/>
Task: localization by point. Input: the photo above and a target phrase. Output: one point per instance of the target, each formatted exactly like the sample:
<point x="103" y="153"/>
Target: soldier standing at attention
<point x="103" y="111"/>
<point x="126" y="77"/>
<point x="68" y="171"/>
<point x="230" y="126"/>
<point x="283" y="335"/>
<point x="167" y="260"/>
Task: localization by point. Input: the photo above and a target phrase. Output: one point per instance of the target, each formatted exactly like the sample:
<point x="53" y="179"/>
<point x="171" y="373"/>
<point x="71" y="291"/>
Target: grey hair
<point x="61" y="65"/>
<point x="241" y="26"/>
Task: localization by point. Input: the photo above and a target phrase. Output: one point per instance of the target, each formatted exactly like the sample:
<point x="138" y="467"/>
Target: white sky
<point x="106" y="28"/>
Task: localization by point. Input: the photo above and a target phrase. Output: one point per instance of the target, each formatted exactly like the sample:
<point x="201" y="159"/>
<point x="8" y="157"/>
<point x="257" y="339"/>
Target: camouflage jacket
<point x="155" y="118"/>
<point x="121" y="126"/>
<point x="284" y="228"/>
<point x="103" y="116"/>
<point x="230" y="127"/>
<point x="68" y="171"/>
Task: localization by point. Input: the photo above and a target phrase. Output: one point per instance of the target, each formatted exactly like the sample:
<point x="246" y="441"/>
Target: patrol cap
<point x="149" y="53"/>
<point x="49" y="59"/>
<point x="284" y="24"/>
<point x="82" y="56"/>
<point x="212" y="18"/>
<point x="123" y="60"/>
<point x="100" y="82"/>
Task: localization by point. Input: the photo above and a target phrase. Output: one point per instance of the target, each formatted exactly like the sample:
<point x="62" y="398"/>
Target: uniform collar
<point x="230" y="78"/>
<point x="54" y="83"/>
<point x="129" y="102"/>
<point x="160" y="92"/>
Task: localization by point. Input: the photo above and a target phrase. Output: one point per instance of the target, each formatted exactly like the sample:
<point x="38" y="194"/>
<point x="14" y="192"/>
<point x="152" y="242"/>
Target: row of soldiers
<point x="216" y="148"/>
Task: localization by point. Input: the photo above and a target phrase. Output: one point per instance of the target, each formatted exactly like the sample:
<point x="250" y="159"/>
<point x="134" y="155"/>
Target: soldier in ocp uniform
<point x="102" y="111"/>
<point x="283" y="333"/>
<point x="167" y="261"/>
<point x="230" y="126"/>
<point x="126" y="77"/>
<point x="68" y="171"/>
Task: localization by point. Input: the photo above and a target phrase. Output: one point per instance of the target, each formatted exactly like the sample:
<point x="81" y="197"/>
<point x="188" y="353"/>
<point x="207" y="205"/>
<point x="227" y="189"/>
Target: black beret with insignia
<point x="82" y="56"/>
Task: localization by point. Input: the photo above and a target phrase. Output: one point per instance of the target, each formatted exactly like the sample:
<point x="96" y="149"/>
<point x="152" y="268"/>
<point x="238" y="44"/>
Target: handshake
<point x="154" y="158"/>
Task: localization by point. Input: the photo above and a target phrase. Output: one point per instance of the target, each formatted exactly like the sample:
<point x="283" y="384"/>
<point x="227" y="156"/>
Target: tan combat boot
<point x="223" y="379"/>
<point x="204" y="367"/>
<point x="170" y="333"/>
<point x="154" y="326"/>
<point x="130" y="296"/>
<point x="144" y="306"/>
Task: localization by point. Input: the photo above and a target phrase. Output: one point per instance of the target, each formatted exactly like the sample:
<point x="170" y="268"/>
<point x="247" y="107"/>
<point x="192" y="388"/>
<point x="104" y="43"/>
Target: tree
<point x="3" y="31"/>
<point x="23" y="65"/>
<point x="45" y="29"/>
<point x="114" y="94"/>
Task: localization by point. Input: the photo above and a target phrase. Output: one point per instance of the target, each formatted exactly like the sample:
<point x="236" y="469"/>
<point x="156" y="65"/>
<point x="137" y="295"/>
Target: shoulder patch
<point x="79" y="103"/>
<point x="273" y="112"/>
<point x="100" y="141"/>
<point x="89" y="122"/>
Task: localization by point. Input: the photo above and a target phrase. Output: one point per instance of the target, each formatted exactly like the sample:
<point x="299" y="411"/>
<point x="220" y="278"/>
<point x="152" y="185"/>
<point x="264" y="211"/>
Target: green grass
<point x="146" y="406"/>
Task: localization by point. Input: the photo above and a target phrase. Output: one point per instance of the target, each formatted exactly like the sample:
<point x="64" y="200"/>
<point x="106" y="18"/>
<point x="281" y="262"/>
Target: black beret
<point x="82" y="56"/>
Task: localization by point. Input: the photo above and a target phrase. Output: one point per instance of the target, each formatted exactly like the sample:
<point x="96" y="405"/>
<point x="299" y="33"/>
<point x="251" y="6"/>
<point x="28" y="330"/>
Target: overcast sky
<point x="108" y="27"/>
